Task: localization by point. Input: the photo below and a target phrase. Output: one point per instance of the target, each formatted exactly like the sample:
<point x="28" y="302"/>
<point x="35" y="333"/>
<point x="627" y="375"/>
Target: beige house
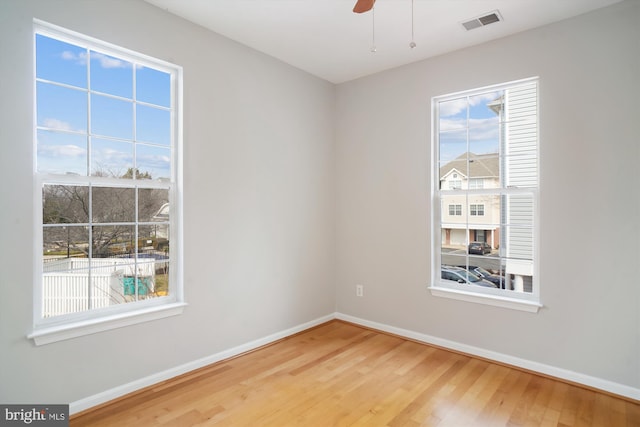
<point x="478" y="213"/>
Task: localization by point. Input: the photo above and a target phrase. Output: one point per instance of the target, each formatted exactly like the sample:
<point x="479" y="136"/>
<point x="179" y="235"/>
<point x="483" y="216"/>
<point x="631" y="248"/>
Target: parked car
<point x="479" y="248"/>
<point x="496" y="279"/>
<point x="461" y="275"/>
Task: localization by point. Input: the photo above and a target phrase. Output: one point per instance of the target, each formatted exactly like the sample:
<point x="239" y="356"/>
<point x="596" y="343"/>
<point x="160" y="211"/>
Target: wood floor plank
<point x="339" y="374"/>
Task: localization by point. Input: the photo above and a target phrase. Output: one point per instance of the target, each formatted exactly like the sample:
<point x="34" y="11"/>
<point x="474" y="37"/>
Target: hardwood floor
<point x="340" y="374"/>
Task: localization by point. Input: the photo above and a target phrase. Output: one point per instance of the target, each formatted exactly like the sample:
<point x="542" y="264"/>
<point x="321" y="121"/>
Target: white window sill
<point x="494" y="300"/>
<point x="51" y="334"/>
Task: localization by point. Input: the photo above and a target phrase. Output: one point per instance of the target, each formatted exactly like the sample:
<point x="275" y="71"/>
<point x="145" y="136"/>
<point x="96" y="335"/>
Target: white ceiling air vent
<point x="483" y="20"/>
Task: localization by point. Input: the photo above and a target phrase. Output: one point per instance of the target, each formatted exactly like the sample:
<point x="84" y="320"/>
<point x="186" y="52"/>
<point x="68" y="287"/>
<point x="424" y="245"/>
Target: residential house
<point x="475" y="218"/>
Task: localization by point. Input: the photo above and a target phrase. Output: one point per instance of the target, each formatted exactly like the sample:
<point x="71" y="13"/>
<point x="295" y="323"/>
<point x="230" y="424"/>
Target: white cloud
<point x="455" y="106"/>
<point x="112" y="156"/>
<point x="102" y="59"/>
<point x="451" y="108"/>
<point x="80" y="59"/>
<point x="109" y="62"/>
<point x="57" y="124"/>
<point x="155" y="160"/>
<point x="452" y="124"/>
<point x="484" y="129"/>
<point x="66" y="151"/>
<point x="479" y="129"/>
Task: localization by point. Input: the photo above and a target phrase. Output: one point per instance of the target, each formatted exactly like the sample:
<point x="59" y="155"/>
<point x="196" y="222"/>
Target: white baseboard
<point x="574" y="377"/>
<point x="563" y="374"/>
<point x="114" y="393"/>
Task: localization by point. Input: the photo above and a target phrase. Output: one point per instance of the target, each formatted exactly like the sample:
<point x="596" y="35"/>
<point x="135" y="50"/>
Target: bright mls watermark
<point x="37" y="415"/>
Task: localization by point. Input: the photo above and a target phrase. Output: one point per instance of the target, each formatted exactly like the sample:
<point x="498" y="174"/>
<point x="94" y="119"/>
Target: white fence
<point x="65" y="293"/>
<point x="144" y="266"/>
<point x="66" y="288"/>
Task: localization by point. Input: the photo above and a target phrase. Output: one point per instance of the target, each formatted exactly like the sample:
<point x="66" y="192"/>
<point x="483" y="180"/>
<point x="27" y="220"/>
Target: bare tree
<point x="109" y="212"/>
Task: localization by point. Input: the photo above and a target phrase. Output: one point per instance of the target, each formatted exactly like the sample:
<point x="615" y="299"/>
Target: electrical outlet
<point x="359" y="290"/>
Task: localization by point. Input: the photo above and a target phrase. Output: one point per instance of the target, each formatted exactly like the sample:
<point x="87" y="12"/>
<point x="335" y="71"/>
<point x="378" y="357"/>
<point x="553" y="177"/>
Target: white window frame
<point x="57" y="328"/>
<point x="438" y="287"/>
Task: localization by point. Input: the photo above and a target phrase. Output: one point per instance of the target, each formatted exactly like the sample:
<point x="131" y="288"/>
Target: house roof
<point x="478" y="166"/>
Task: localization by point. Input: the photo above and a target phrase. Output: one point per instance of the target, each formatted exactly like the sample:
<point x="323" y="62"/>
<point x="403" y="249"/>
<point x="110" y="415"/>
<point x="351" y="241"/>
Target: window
<point x="476" y="210"/>
<point x="455" y="209"/>
<point x="490" y="136"/>
<point x="476" y="183"/>
<point x="107" y="136"/>
<point x="455" y="184"/>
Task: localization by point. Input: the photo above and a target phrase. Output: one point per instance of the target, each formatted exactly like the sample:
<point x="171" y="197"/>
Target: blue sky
<point x="481" y="123"/>
<point x="66" y="72"/>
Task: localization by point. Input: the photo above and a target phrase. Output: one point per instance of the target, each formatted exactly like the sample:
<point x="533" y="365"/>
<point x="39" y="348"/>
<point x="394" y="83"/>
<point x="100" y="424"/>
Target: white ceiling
<point x="325" y="38"/>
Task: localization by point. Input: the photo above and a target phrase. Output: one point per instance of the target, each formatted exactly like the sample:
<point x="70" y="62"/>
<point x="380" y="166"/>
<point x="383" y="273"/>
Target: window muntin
<point x="455" y="210"/>
<point x="476" y="183"/>
<point x="107" y="153"/>
<point x="476" y="210"/>
<point x="488" y="137"/>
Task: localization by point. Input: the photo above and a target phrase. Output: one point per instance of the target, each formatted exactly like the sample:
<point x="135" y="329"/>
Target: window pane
<point x="489" y="268"/>
<point x="485" y="139"/>
<point x="111" y="158"/>
<point x="61" y="108"/>
<point x="452" y="114"/>
<point x="69" y="241"/>
<point x="153" y="162"/>
<point x="60" y="62"/>
<point x="485" y="210"/>
<point x="153" y="86"/>
<point x="520" y="125"/>
<point x="518" y="274"/>
<point x="111" y="75"/>
<point x="113" y="204"/>
<point x="65" y="278"/>
<point x="485" y="167"/>
<point x="518" y="243"/>
<point x="153" y="205"/>
<point x="65" y="204"/>
<point x="61" y="153"/>
<point x="112" y="240"/>
<point x="453" y="257"/>
<point x="155" y="253"/>
<point x="484" y="123"/>
<point x="485" y="106"/>
<point x="153" y="125"/>
<point x="521" y="170"/>
<point x="454" y="232"/>
<point x="453" y="146"/>
<point x="517" y="249"/>
<point x="111" y="117"/>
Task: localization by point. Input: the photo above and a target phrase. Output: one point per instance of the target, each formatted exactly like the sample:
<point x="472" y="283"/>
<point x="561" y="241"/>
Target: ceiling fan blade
<point x="363" y="6"/>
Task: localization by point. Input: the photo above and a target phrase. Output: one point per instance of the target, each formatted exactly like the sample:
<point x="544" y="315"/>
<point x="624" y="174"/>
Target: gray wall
<point x="258" y="202"/>
<point x="589" y="198"/>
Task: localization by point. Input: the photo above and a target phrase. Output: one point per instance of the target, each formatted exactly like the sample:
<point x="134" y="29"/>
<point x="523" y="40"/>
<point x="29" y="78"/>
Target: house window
<point x="455" y="184"/>
<point x="455" y="210"/>
<point x="107" y="136"/>
<point x="490" y="135"/>
<point x="476" y="210"/>
<point x="476" y="183"/>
